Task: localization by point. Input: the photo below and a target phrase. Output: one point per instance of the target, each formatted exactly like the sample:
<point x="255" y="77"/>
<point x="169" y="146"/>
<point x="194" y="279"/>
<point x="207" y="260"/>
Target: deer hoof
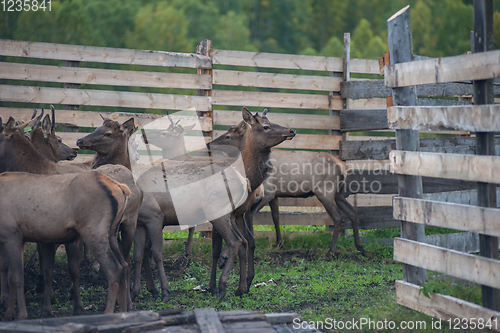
<point x="165" y="298"/>
<point x="240" y="292"/>
<point x="279" y="245"/>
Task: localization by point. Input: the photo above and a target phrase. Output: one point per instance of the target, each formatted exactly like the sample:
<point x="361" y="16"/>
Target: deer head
<point x="46" y="141"/>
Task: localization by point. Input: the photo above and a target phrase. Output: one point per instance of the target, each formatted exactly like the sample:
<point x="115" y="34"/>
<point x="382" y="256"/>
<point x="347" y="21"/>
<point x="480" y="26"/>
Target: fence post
<point x="485" y="142"/>
<point x="68" y="63"/>
<point x="205" y="48"/>
<point x="401" y="50"/>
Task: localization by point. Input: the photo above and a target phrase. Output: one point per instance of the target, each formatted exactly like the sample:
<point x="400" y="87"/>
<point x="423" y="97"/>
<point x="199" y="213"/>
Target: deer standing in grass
<point x="300" y="174"/>
<point x="20" y="155"/>
<point x="62" y="208"/>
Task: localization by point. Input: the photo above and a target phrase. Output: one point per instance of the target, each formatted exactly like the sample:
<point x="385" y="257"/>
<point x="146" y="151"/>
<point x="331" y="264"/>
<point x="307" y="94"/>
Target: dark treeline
<point x="311" y="27"/>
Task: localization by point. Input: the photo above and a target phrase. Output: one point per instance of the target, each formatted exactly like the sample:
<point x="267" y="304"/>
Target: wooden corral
<point x="169" y="320"/>
<point x="209" y="87"/>
<point x="481" y="216"/>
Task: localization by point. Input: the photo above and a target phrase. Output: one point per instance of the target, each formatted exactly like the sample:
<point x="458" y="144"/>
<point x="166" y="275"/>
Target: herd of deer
<point x="111" y="203"/>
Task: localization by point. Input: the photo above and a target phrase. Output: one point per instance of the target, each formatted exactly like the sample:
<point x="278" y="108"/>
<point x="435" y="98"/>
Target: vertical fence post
<point x="205" y="48"/>
<point x="67" y="63"/>
<point x="485" y="142"/>
<point x="401" y="50"/>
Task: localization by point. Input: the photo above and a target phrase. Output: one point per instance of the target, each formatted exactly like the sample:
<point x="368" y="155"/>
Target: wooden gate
<point x="407" y="118"/>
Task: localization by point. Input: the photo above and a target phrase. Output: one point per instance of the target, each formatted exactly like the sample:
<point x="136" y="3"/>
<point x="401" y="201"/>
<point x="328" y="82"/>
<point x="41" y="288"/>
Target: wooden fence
<point x="311" y="94"/>
<point x="408" y="118"/>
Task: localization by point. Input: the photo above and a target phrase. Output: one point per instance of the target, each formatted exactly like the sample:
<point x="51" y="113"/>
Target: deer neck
<point x="118" y="156"/>
<point x="256" y="162"/>
<point x="22" y="156"/>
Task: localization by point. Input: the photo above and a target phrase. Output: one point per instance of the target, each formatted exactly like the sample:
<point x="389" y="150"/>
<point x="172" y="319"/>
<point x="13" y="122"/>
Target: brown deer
<point x="47" y="142"/>
<point x="54" y="218"/>
<point x="18" y="154"/>
<point x="300" y="174"/>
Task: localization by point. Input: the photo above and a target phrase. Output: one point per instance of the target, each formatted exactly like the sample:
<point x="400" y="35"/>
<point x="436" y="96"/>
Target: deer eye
<point x="266" y="127"/>
<point x="228" y="137"/>
<point x="107" y="134"/>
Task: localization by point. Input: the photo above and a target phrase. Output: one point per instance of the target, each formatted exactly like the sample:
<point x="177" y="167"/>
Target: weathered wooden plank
<point x="369" y="218"/>
<point x="367" y="103"/>
<point x="291" y="120"/>
<point x="275" y="60"/>
<point x="384" y="182"/>
<point x="26" y="328"/>
<point x="101" y="54"/>
<point x="443" y="306"/>
<point x="474" y="118"/>
<point x="280" y="100"/>
<point x="25" y="94"/>
<point x="93" y="119"/>
<point x="306" y="141"/>
<point x="452" y="166"/>
<point x="208" y="321"/>
<point x="379" y="149"/>
<point x="29" y="72"/>
<point x="479" y="269"/>
<point x="364" y="66"/>
<point x="364" y="88"/>
<point x="448" y="215"/>
<point x="475" y="66"/>
<point x="249" y="327"/>
<point x="363" y="120"/>
<point x="275" y="80"/>
<point x="357" y="200"/>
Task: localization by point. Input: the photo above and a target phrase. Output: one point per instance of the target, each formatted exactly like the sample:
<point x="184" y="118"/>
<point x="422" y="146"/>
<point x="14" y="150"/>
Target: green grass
<point x="297" y="278"/>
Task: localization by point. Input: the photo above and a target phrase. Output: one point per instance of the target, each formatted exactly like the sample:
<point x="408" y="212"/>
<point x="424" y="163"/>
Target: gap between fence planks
<point x="479" y="269"/>
<point x="475" y="168"/>
<point x="291" y="120"/>
<point x="101" y="54"/>
<point x="476" y="66"/>
<point x="448" y="215"/>
<point x="80" y="75"/>
<point x="275" y="80"/>
<point x="474" y="118"/>
<point x="442" y="306"/>
<point x="27" y="94"/>
<point x="279" y="100"/>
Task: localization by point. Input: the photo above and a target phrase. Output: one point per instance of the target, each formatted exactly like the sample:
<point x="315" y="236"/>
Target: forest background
<point x="308" y="27"/>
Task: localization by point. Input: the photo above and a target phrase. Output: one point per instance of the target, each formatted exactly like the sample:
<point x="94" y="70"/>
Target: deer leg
<point x="73" y="253"/>
<point x="189" y="243"/>
<point x="156" y="237"/>
<point x="229" y="232"/>
<point x="334" y="212"/>
<point x="275" y="213"/>
<point x="14" y="249"/>
<point x="148" y="271"/>
<point x="48" y="253"/>
<point x="4" y="267"/>
<point x="242" y="254"/>
<point x="216" y="252"/>
<point x="248" y="232"/>
<point x="139" y="240"/>
<point x="352" y="213"/>
<point x="127" y="239"/>
<point x="100" y="247"/>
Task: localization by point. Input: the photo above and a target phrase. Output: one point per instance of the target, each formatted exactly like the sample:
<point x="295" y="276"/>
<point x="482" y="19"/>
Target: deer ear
<point x="248" y="117"/>
<point x="46" y="126"/>
<point x="128" y="127"/>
